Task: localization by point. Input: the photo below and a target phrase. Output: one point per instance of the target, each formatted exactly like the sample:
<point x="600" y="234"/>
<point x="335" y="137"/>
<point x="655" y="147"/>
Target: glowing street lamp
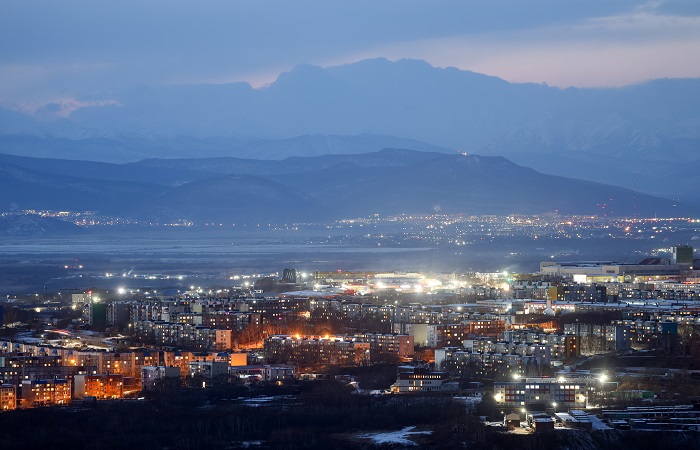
<point x="602" y="393"/>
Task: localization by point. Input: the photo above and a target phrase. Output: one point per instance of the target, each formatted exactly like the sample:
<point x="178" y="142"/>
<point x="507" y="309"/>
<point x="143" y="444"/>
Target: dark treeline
<point x="313" y="415"/>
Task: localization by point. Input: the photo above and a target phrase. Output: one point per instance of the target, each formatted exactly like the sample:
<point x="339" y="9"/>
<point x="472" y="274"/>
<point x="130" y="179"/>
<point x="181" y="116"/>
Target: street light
<point x="603" y="379"/>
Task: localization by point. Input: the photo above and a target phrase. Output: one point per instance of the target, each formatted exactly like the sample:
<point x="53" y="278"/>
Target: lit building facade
<point x="101" y="386"/>
<point x="8" y="397"/>
<point x="300" y="350"/>
<point x="541" y="391"/>
<point x="45" y="392"/>
<point x="279" y="372"/>
<point x="401" y="345"/>
<point x="419" y="380"/>
<point x="208" y="369"/>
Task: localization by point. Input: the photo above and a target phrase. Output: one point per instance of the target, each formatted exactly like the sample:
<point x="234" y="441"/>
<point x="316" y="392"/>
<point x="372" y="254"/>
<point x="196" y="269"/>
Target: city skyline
<point x="301" y="225"/>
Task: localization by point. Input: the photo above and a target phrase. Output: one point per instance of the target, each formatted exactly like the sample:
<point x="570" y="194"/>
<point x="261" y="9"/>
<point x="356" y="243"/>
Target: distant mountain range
<point x="136" y="147"/>
<point x="242" y="191"/>
<point x="639" y="137"/>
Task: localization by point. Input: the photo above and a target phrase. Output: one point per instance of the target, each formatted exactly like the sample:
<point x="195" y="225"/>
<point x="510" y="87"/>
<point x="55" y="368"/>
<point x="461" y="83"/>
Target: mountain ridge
<point x="325" y="188"/>
<point x="653" y="128"/>
<point x="447" y="107"/>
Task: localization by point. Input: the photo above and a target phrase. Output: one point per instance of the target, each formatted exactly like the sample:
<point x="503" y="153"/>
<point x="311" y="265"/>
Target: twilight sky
<point x="85" y="52"/>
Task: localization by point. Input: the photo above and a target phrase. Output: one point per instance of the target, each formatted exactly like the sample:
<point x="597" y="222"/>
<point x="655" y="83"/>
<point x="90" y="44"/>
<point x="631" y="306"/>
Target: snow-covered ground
<point x="259" y="401"/>
<point x="394" y="437"/>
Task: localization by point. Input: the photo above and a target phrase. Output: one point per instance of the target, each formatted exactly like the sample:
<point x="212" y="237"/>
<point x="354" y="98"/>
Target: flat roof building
<point x="541" y="391"/>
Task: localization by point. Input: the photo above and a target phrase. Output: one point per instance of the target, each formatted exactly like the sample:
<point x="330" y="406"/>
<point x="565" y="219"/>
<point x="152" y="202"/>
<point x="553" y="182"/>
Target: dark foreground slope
<point x="311" y="416"/>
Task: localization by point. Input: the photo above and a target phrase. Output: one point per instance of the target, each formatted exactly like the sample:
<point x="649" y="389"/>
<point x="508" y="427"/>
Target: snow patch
<point x="394" y="437"/>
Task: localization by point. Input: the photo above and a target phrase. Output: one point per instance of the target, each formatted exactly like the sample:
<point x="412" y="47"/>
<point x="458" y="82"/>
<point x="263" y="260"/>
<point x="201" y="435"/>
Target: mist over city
<point x="312" y="225"/>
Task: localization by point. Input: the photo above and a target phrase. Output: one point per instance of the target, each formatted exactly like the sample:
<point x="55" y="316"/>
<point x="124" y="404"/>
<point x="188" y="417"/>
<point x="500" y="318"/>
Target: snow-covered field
<point x="394" y="437"/>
